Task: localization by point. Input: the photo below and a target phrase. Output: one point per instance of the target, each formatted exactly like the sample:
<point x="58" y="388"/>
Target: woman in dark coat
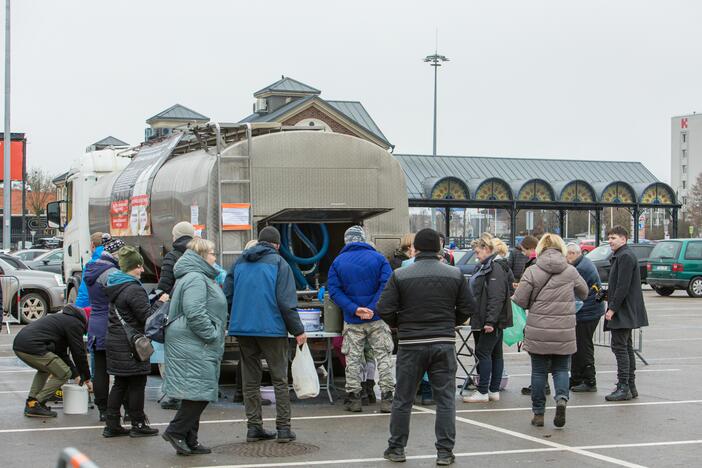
<point x="128" y="298"/>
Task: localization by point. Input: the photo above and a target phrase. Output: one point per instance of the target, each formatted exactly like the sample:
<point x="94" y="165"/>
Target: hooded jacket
<point x="548" y="290"/>
<point x="591" y="309"/>
<point x="167" y="278"/>
<point x="82" y="299"/>
<point x="357" y="277"/>
<point x="128" y="295"/>
<point x="95" y="279"/>
<point x="57" y="333"/>
<point x="491" y="286"/>
<point x="624" y="296"/>
<point x="261" y="290"/>
<point x="195" y="338"/>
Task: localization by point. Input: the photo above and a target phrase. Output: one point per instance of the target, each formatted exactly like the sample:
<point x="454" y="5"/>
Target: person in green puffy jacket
<point x="194" y="343"/>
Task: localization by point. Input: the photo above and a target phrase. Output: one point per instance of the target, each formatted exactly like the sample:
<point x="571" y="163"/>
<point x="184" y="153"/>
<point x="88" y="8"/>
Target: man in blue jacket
<point x="582" y="367"/>
<point x="261" y="289"/>
<point x="96" y="247"/>
<point x="356" y="279"/>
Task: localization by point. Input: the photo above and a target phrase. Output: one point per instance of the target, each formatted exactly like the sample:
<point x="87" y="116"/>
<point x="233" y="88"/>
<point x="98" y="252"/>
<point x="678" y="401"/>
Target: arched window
<point x="493" y="190"/>
<point x="618" y="192"/>
<point x="536" y="190"/>
<point x="578" y="191"/>
<point x="658" y="194"/>
<point x="450" y="188"/>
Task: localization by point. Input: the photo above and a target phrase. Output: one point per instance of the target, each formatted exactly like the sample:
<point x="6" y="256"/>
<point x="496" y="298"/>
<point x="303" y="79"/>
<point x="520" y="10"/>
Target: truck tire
<point x="72" y="295"/>
<point x="32" y="307"/>
<point x="694" y="289"/>
<point x="664" y="291"/>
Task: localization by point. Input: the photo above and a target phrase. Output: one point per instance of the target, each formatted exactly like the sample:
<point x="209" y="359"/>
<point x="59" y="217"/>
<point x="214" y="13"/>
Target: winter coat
<point x="624" y="295"/>
<point x="591" y="309"/>
<point x="491" y="286"/>
<point x="517" y="262"/>
<point x="167" y="279"/>
<point x="95" y="279"/>
<point x="128" y="295"/>
<point x="83" y="299"/>
<point x="398" y="256"/>
<point x="261" y="290"/>
<point x="548" y="290"/>
<point x="57" y="333"/>
<point x="195" y="338"/>
<point x="426" y="301"/>
<point x="356" y="279"/>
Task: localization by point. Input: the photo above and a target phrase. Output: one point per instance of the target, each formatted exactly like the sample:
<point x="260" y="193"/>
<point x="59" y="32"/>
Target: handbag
<point x="156" y="323"/>
<point x="140" y="345"/>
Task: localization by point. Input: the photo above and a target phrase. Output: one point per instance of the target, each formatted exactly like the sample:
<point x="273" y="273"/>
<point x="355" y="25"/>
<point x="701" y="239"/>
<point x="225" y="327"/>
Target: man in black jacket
<point x="44" y="345"/>
<point x="625" y="311"/>
<point x="425" y="302"/>
<point x="520" y="257"/>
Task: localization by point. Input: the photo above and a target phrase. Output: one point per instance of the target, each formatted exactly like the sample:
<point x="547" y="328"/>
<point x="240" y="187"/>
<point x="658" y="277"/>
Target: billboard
<point x="16" y="157"/>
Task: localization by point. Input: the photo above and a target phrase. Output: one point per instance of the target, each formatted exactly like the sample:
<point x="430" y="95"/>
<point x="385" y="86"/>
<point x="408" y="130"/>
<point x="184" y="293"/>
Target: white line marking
<point x="601" y="405"/>
<point x="676" y="358"/>
<point x="648" y="340"/>
<point x="547" y="443"/>
<point x="638" y="371"/>
<point x="643" y="444"/>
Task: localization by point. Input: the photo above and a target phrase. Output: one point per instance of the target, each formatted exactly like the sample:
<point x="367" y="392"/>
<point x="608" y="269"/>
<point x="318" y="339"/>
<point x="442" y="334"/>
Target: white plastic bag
<point x="304" y="374"/>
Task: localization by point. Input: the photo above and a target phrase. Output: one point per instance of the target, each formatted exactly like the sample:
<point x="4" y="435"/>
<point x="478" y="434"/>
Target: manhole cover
<point x="265" y="449"/>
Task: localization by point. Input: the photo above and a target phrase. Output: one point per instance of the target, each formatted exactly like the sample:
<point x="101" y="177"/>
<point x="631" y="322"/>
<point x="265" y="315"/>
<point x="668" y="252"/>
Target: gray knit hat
<point x="181" y="229"/>
<point x="354" y="234"/>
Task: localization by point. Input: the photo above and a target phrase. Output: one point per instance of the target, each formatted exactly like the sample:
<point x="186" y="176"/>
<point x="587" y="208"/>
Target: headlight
<point x="59" y="280"/>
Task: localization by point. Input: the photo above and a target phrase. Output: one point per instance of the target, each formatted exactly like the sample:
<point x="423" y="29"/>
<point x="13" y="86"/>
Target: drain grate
<point x="265" y="449"/>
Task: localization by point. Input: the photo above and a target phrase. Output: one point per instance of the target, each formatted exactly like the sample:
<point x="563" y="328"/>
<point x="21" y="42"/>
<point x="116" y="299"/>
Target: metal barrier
<point x="7" y="317"/>
<point x="73" y="458"/>
<point x="604" y="339"/>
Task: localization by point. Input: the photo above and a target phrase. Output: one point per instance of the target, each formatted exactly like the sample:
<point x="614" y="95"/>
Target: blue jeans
<point x="540" y="364"/>
<point x="488" y="350"/>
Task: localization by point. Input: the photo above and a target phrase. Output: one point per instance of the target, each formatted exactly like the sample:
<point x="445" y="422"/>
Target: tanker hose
<point x="295" y="261"/>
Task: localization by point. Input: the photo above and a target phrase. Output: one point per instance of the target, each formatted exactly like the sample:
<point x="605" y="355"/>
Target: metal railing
<point x="7" y="316"/>
<point x="604" y="339"/>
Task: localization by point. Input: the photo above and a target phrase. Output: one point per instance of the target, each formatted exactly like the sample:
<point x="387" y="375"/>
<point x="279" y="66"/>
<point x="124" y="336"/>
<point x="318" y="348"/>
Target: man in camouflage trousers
<point x="356" y="279"/>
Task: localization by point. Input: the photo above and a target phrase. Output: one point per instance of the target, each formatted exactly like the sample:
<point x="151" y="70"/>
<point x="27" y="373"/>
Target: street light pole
<point x="435" y="61"/>
<point x="7" y="186"/>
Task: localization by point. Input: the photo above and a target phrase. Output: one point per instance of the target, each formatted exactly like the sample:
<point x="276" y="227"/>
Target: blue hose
<point x="295" y="261"/>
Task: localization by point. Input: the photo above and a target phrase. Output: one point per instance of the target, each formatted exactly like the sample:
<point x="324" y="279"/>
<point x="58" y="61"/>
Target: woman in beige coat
<point x="549" y="290"/>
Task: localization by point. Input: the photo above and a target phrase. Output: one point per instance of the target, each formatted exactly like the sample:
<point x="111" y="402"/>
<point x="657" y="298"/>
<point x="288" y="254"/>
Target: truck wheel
<point x="32" y="307"/>
<point x="664" y="291"/>
<point x="694" y="289"/>
<point x="72" y="294"/>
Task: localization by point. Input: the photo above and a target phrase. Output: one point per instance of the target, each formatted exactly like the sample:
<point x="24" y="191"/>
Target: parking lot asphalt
<point x="662" y="428"/>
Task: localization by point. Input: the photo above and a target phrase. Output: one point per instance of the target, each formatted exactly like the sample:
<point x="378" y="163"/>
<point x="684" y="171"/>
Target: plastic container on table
<point x="310" y="319"/>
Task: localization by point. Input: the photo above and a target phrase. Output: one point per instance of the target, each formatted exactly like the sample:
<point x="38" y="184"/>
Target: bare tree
<point x="42" y="190"/>
<point x="694" y="204"/>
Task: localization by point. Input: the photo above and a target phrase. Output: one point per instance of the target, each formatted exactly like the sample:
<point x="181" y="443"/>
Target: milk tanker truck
<point x="231" y="180"/>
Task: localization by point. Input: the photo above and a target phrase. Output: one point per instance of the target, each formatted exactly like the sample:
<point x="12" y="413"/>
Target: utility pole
<point x="7" y="186"/>
<point x="435" y="61"/>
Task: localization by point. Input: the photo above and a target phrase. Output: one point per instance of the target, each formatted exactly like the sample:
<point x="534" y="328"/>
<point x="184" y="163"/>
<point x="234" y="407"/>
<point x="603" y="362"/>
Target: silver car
<point x="40" y="292"/>
<point x="29" y="254"/>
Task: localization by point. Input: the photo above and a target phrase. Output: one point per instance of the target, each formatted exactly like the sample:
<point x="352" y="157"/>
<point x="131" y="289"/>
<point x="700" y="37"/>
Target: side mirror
<point x="45" y="262"/>
<point x="53" y="214"/>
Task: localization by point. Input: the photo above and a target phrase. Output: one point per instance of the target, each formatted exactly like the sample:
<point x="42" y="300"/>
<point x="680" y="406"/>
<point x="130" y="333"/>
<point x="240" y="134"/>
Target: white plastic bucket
<point x="310" y="319"/>
<point x="268" y="393"/>
<point x="75" y="399"/>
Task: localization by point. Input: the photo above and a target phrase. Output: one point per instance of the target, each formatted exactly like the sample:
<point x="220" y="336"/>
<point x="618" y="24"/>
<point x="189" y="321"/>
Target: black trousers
<point x="186" y="422"/>
<point x="101" y="380"/>
<point x="623" y="350"/>
<point x="439" y="360"/>
<point x="133" y="387"/>
<point x="582" y="366"/>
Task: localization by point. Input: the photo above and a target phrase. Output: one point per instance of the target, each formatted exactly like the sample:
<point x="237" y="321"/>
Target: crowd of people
<point x="409" y="305"/>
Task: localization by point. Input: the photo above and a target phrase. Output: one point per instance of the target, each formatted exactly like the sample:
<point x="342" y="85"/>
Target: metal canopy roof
<point x="178" y="112"/>
<point x="286" y="84"/>
<point x="110" y="141"/>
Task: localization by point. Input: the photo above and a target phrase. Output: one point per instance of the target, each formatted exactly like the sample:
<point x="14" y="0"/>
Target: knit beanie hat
<point x="427" y="240"/>
<point x="129" y="258"/>
<point x="183" y="228"/>
<point x="269" y="234"/>
<point x="112" y="244"/>
<point x="354" y="234"/>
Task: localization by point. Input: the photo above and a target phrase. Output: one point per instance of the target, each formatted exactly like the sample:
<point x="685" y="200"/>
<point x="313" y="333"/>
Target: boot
<point x="584" y="388"/>
<point x="395" y="454"/>
<point x="141" y="428"/>
<point x="180" y="446"/>
<point x="632" y="389"/>
<point x="285" y="435"/>
<point x="113" y="428"/>
<point x="538" y="420"/>
<point x="354" y="403"/>
<point x="257" y="433"/>
<point x="34" y="409"/>
<point x="370" y="390"/>
<point x="445" y="459"/>
<point x="386" y="402"/>
<point x="364" y="395"/>
<point x="560" y="419"/>
<point x="621" y="393"/>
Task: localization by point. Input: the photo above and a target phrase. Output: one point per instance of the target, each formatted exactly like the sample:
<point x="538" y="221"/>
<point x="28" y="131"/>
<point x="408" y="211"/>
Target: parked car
<point x="50" y="261"/>
<point x="676" y="264"/>
<point x="14" y="261"/>
<point x="29" y="254"/>
<point x="41" y="292"/>
<point x="49" y="243"/>
<point x="587" y="245"/>
<point x="467" y="262"/>
<point x="602" y="255"/>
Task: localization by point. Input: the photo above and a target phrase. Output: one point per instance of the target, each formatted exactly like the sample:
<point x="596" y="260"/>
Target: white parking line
<point x="638" y="371"/>
<point x="648" y="340"/>
<point x="601" y="405"/>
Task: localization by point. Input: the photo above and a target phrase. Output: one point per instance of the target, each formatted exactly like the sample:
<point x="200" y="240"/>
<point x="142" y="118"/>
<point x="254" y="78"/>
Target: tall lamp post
<point x="7" y="187"/>
<point x="435" y="61"/>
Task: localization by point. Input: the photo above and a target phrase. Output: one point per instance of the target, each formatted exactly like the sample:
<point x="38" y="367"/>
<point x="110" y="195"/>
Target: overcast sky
<point x="585" y="80"/>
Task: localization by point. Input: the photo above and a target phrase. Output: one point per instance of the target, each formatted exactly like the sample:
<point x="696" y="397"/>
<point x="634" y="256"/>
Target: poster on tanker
<point x="130" y="211"/>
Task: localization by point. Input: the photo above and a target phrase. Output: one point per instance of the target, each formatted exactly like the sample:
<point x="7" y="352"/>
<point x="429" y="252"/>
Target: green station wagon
<point x="676" y="264"/>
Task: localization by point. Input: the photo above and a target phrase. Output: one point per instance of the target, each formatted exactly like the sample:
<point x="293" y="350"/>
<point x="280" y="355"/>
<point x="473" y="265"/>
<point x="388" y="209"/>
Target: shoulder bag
<point x="533" y="296"/>
<point x="140" y="345"/>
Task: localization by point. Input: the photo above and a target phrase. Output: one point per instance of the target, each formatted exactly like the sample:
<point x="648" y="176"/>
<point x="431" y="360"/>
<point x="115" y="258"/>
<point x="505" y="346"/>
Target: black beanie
<point x="427" y="240"/>
<point x="269" y="234"/>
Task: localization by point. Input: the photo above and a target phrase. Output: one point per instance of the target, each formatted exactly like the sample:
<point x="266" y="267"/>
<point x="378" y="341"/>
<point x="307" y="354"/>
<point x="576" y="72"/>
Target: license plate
<point x="662" y="268"/>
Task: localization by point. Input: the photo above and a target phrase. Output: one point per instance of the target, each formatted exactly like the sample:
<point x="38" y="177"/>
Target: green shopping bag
<point x="515" y="333"/>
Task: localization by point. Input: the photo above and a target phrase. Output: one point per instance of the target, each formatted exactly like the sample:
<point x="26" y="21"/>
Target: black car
<point x="466" y="261"/>
<point x="602" y="254"/>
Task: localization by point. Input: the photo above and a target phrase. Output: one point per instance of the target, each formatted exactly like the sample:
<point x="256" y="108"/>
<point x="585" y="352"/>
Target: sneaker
<point x="538" y="420"/>
<point x="621" y="393"/>
<point x="560" y="419"/>
<point x="180" y="446"/>
<point x="494" y="396"/>
<point x="395" y="454"/>
<point x="445" y="459"/>
<point x="142" y="429"/>
<point x="256" y="433"/>
<point x="584" y="388"/>
<point x="34" y="409"/>
<point x="57" y="397"/>
<point x="476" y="397"/>
<point x="199" y="449"/>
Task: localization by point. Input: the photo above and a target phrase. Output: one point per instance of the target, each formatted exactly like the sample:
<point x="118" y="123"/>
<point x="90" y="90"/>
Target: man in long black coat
<point x="625" y="311"/>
